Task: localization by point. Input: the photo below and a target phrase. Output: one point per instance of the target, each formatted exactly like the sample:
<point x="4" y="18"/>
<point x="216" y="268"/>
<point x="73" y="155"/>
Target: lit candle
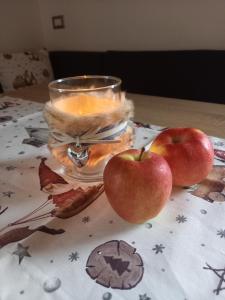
<point x="89" y="111"/>
<point x="88" y="105"/>
<point x="83" y="105"/>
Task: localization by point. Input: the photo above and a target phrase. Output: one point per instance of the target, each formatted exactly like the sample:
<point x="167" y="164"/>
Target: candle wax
<point x="85" y="105"/>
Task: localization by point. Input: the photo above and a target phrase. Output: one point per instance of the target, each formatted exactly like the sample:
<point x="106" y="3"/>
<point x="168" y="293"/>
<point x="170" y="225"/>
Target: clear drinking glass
<point x="88" y="118"/>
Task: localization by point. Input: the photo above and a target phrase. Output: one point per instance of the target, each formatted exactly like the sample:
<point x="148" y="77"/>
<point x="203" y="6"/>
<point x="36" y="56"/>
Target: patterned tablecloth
<point x="52" y="247"/>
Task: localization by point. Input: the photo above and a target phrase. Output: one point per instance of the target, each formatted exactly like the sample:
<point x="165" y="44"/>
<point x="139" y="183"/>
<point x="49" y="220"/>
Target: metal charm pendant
<point x="78" y="155"/>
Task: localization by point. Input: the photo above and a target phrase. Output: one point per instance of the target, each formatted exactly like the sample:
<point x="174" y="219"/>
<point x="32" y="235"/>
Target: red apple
<point x="137" y="184"/>
<point x="188" y="152"/>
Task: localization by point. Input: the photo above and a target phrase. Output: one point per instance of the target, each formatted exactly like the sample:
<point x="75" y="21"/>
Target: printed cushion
<point x="22" y="69"/>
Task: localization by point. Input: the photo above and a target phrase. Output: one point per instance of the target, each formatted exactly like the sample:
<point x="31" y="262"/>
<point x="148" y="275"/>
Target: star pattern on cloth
<point x="181" y="219"/>
<point x="158" y="248"/>
<point x="74" y="256"/>
<point x="21" y="252"/>
<point x="144" y="297"/>
<point x="221" y="233"/>
<point x="8" y="194"/>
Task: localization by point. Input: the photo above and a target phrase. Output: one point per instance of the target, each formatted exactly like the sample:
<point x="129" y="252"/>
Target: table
<point x="50" y="250"/>
<point x="209" y="117"/>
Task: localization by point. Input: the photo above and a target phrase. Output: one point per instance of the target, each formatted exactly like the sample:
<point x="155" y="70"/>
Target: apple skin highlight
<point x="137" y="184"/>
<point x="189" y="153"/>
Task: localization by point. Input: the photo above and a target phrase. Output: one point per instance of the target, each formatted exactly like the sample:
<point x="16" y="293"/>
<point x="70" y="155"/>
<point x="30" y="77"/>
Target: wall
<point x="116" y="24"/>
<point x="20" y="25"/>
<point x="135" y="24"/>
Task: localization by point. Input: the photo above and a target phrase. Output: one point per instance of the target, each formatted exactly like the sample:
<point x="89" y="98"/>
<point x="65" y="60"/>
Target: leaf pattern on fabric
<point x="67" y="204"/>
<point x="15" y="235"/>
<point x="220" y="154"/>
<point x="70" y="203"/>
<point x="18" y="234"/>
<point x="49" y="180"/>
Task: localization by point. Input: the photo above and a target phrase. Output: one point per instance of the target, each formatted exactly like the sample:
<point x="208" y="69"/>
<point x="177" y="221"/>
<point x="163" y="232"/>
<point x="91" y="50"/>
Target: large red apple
<point x="188" y="152"/>
<point x="137" y="184"/>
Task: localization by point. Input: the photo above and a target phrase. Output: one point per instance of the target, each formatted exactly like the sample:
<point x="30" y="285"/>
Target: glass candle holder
<point x="88" y="119"/>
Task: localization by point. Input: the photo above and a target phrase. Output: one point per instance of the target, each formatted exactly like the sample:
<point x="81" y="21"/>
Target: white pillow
<point x="21" y="69"/>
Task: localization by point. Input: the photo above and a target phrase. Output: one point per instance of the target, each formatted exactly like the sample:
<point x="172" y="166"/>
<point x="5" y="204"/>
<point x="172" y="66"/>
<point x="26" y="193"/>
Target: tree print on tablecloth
<point x="115" y="264"/>
<point x="61" y="205"/>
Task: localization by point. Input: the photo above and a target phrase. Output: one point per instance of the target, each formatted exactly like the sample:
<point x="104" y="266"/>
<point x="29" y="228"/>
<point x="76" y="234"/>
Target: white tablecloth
<point x="48" y="253"/>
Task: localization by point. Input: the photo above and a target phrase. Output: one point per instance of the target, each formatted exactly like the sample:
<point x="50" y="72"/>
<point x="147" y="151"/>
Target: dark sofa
<point x="196" y="75"/>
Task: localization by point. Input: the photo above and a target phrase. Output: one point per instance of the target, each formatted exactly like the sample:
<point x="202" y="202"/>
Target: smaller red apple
<point x="137" y="184"/>
<point x="188" y="152"/>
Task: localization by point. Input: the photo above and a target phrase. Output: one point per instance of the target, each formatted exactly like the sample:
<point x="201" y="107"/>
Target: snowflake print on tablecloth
<point x="144" y="297"/>
<point x="85" y="219"/>
<point x="158" y="248"/>
<point x="221" y="233"/>
<point x="181" y="219"/>
<point x="8" y="194"/>
<point x="74" y="256"/>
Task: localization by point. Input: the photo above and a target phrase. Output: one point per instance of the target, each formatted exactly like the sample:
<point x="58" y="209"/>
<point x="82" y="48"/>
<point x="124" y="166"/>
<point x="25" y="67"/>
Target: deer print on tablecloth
<point x="213" y="187"/>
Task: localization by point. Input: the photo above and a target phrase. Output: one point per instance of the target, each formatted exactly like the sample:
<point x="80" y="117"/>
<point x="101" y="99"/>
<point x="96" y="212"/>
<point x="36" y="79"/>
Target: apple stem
<point x="142" y="151"/>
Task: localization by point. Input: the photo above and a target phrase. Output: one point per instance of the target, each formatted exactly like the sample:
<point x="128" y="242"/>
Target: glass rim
<point x="53" y="84"/>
